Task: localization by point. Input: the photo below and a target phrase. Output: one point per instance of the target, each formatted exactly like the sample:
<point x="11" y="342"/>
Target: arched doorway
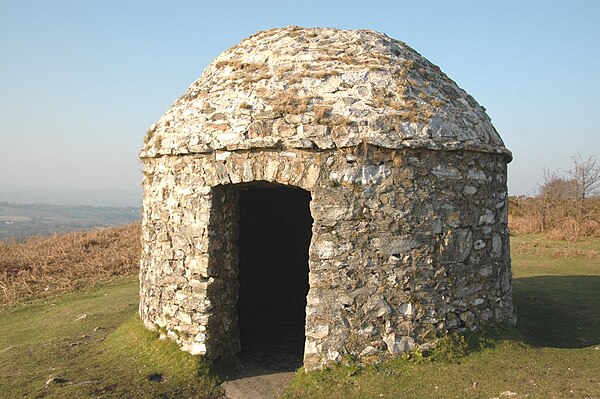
<point x="274" y="236"/>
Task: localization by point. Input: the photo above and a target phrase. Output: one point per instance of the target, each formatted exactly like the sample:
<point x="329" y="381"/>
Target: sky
<point x="80" y="81"/>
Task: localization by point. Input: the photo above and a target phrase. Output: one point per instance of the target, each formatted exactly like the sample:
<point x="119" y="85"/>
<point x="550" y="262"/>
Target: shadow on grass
<point x="558" y="311"/>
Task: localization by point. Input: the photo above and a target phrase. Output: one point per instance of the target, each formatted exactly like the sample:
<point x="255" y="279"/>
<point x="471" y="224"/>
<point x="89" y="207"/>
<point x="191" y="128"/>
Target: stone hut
<point x="329" y="191"/>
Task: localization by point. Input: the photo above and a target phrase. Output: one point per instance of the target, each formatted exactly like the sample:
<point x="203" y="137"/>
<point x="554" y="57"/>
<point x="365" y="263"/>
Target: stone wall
<point x="407" y="245"/>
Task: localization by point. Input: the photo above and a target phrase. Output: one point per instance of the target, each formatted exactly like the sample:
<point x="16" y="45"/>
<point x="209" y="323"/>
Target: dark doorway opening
<point x="275" y="231"/>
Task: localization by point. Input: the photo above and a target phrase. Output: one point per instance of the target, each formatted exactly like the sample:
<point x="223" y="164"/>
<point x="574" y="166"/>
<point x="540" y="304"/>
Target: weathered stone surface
<point x="323" y="88"/>
<point x="396" y="344"/>
<point x="408" y="183"/>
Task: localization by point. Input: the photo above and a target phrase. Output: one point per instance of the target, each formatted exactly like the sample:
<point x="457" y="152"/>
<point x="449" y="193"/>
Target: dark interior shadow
<point x="274" y="236"/>
<point x="558" y="311"/>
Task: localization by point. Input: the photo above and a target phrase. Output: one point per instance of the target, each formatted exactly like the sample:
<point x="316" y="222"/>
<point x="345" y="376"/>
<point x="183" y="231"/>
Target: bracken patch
<point x="45" y="266"/>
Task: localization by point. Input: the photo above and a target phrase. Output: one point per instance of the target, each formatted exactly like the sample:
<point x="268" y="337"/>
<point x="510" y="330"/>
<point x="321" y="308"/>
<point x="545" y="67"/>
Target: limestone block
<point x="397" y="245"/>
<point x="333" y="355"/>
<point x="478" y="301"/>
<point x="446" y="172"/>
<point x="406" y="309"/>
<point x="469" y="190"/>
<point x="478" y="175"/>
<point x="398" y="344"/>
<point x="487" y="217"/>
<point x="198" y="348"/>
<point x="311" y="347"/>
<point x="496" y="246"/>
<point x="311" y="176"/>
<point x="324" y="249"/>
<point x="320" y="331"/>
<point x="369" y="351"/>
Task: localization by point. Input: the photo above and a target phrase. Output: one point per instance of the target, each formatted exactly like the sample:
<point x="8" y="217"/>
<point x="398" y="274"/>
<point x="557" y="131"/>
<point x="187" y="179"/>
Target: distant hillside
<point x="20" y="221"/>
<point x="17" y="194"/>
<point x="43" y="266"/>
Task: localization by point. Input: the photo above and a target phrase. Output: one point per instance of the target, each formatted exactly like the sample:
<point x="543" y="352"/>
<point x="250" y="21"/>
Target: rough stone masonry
<point x="407" y="177"/>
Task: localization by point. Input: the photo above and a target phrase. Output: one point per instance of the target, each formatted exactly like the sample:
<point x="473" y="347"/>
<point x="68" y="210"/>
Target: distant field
<point x="17" y="194"/>
<point x="20" y="221"/>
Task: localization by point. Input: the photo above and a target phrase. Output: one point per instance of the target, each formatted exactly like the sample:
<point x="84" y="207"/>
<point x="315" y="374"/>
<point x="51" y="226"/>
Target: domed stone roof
<point x="322" y="88"/>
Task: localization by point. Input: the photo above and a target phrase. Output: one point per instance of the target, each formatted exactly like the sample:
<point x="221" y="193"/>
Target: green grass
<point x="557" y="291"/>
<point x="554" y="352"/>
<point x="506" y="365"/>
<point x="106" y="354"/>
<point x="535" y="255"/>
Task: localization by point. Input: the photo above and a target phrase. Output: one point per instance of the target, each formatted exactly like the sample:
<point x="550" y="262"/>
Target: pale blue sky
<point x="80" y="81"/>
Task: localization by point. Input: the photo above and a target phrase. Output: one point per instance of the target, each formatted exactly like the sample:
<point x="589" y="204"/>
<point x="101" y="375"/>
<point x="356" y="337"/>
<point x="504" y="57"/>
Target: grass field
<point x="553" y="353"/>
<point x="90" y="343"/>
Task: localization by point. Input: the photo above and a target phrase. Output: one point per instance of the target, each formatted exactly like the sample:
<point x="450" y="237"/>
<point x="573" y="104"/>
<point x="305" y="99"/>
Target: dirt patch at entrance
<point x="253" y="382"/>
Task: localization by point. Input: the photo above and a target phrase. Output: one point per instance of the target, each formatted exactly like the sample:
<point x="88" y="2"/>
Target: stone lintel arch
<point x="225" y="262"/>
<point x="205" y="267"/>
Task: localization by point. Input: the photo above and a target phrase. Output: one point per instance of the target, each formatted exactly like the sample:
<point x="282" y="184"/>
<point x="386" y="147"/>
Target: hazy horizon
<point x="20" y="194"/>
<point x="81" y="81"/>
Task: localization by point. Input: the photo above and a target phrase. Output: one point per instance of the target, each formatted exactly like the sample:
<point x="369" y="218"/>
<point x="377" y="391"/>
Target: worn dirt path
<point x="257" y="383"/>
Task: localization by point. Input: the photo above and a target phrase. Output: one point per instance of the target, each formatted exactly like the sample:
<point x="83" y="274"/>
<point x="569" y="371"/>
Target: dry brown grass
<point x="322" y="112"/>
<point x="343" y="58"/>
<point x="247" y="67"/>
<point x="323" y="74"/>
<point x="296" y="78"/>
<point x="253" y="78"/>
<point x="284" y="70"/>
<point x="288" y="103"/>
<point x="45" y="266"/>
<point x="409" y="109"/>
<point x="554" y="218"/>
<point x="245" y="72"/>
